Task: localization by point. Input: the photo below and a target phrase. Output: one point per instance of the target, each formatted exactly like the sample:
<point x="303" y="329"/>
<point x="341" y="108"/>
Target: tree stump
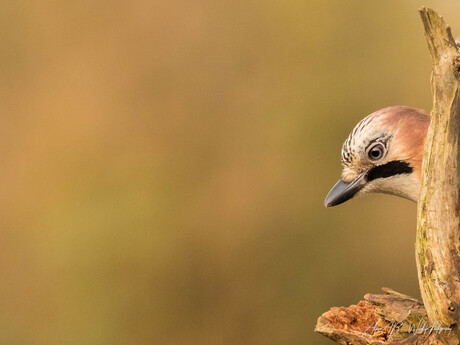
<point x="391" y="318"/>
<point x="394" y="318"/>
<point x="438" y="218"/>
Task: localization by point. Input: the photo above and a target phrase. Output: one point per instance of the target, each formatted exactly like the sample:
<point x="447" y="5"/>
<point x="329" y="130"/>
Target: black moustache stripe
<point x="389" y="169"/>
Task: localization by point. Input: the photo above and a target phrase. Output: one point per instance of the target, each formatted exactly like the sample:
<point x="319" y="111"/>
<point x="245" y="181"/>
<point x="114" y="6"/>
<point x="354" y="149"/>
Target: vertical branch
<point x="393" y="317"/>
<point x="438" y="221"/>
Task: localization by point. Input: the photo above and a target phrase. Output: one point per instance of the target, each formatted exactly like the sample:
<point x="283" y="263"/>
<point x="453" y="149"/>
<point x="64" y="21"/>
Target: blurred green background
<point x="164" y="166"/>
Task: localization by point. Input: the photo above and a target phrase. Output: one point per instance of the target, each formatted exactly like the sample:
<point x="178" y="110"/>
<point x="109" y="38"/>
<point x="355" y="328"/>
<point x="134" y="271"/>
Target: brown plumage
<point x="383" y="154"/>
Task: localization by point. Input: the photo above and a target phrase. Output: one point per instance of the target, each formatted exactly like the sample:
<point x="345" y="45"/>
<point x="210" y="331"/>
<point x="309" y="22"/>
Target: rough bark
<point x="395" y="318"/>
<point x="392" y="318"/>
<point x="438" y="220"/>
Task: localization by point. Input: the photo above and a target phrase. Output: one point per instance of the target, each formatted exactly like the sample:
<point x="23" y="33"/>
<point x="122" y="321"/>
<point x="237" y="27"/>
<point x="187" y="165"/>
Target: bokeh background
<point x="164" y="165"/>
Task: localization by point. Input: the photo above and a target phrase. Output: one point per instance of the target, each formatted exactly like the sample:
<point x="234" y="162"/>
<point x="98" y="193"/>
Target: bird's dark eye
<point x="376" y="152"/>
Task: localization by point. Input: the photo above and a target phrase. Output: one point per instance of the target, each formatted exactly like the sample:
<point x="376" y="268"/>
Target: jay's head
<point x="383" y="154"/>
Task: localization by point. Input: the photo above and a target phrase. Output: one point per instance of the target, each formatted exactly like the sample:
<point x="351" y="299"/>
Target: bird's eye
<point x="376" y="152"/>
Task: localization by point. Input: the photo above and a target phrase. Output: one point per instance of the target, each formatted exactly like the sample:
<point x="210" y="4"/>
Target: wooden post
<point x="395" y="318"/>
<point x="438" y="220"/>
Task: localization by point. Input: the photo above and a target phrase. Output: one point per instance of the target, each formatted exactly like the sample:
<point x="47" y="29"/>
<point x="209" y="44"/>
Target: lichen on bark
<point x="438" y="224"/>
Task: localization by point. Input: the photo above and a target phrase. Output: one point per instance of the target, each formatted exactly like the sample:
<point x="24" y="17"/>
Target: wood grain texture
<point x="438" y="226"/>
<point x="390" y="318"/>
<point x="438" y="220"/>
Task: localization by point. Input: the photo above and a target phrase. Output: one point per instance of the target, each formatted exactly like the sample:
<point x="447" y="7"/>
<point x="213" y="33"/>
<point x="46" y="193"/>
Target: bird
<point x="383" y="154"/>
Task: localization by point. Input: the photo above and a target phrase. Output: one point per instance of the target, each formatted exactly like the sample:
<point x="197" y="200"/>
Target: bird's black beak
<point x="343" y="191"/>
